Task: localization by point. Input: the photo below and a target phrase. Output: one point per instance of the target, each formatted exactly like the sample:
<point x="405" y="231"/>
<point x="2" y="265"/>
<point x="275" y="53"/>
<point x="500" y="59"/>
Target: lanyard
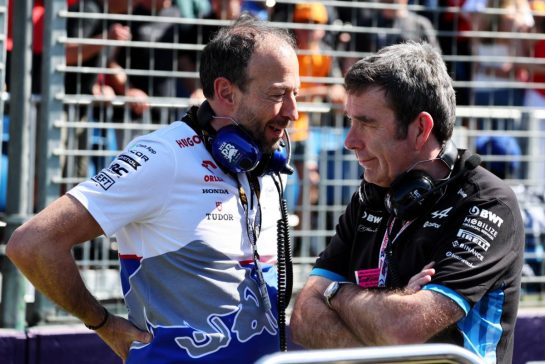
<point x="253" y="229"/>
<point x="386" y="246"/>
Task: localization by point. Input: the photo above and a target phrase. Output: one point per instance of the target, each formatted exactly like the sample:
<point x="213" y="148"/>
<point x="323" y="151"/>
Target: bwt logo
<point x="371" y="218"/>
<point x="485" y="214"/>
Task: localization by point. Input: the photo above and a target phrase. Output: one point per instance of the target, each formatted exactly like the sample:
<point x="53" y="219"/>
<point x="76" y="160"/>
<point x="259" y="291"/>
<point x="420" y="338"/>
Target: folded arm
<point x="362" y="317"/>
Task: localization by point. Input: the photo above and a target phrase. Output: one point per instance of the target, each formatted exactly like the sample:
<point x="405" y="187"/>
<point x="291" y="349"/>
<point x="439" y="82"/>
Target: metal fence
<point x="61" y="138"/>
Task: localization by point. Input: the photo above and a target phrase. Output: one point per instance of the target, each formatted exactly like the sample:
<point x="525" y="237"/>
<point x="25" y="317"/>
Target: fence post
<point x="20" y="183"/>
<point x="48" y="164"/>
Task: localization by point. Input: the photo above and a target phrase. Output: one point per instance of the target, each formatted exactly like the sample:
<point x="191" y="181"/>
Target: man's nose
<point x="351" y="141"/>
<point x="289" y="108"/>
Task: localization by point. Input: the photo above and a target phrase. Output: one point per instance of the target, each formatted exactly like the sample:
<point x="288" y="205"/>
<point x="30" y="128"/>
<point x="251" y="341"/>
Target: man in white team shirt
<point x="191" y="225"/>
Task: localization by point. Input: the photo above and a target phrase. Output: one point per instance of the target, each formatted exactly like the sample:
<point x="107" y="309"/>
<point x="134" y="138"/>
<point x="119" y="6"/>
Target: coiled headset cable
<point x="284" y="265"/>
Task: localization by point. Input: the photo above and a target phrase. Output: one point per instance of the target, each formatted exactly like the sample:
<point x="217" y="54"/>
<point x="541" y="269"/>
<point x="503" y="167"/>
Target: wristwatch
<point x="332" y="290"/>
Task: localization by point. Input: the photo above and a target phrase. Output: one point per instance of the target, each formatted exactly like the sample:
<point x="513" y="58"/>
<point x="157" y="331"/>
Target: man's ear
<point x="224" y="92"/>
<point x="420" y="129"/>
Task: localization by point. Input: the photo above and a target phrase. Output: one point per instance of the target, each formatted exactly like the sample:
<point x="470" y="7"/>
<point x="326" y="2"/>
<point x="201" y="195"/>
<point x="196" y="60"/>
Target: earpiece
<point x="372" y="195"/>
<point x="410" y="194"/>
<point x="235" y="150"/>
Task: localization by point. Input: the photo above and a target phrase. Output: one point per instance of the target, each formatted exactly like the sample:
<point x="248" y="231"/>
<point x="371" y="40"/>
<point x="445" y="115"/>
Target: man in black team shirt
<point x="422" y="201"/>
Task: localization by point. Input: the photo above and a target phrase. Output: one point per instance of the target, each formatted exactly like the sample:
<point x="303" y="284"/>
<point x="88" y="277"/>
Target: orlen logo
<point x="485" y="214"/>
<point x="189" y="142"/>
<point x="371" y="218"/>
<point x="212" y="178"/>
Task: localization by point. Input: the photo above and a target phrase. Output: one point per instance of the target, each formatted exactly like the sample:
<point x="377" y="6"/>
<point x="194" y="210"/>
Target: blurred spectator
<point x="500" y="146"/>
<point x="398" y="25"/>
<point x="92" y="55"/>
<point x="38" y="10"/>
<point x="285" y="13"/>
<point x="536" y="97"/>
<point x="151" y="58"/>
<point x="312" y="63"/>
<point x="194" y="9"/>
<point x="530" y="200"/>
<point x="495" y="54"/>
<point x="257" y="8"/>
<point x="201" y="34"/>
<point x="449" y="23"/>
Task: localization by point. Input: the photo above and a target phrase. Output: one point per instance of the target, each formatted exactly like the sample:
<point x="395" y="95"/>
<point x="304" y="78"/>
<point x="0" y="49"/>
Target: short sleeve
<point x="332" y="263"/>
<point x="481" y="250"/>
<point x="133" y="188"/>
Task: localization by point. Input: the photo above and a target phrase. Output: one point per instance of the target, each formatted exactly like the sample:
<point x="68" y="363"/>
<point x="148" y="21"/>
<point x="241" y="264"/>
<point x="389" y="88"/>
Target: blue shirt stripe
<point x="327" y="274"/>
<point x="481" y="328"/>
<point x="453" y="295"/>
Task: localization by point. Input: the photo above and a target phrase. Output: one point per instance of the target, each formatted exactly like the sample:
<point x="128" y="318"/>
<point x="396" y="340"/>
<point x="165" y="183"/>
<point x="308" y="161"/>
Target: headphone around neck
<point x="414" y="192"/>
<point x="234" y="149"/>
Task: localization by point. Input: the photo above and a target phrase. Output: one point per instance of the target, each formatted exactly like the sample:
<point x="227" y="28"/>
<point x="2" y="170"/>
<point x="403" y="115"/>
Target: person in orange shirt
<point x="313" y="62"/>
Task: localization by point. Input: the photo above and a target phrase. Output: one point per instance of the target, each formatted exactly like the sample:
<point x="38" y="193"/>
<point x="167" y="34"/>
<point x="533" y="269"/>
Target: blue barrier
<point x="12" y="346"/>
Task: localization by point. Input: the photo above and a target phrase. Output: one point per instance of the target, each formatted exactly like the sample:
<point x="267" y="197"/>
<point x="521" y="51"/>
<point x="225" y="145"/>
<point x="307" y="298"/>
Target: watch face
<point x="331" y="289"/>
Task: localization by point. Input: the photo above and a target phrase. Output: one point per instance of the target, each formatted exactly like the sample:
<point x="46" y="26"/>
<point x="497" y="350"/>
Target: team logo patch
<point x="209" y="165"/>
<point x="487" y="215"/>
<point x="473" y="238"/>
<point x="103" y="180"/>
<point x="117" y="169"/>
<point x="130" y="161"/>
<point x="371" y="218"/>
<point x="450" y="254"/>
<point x="189" y="142"/>
<point x="229" y="151"/>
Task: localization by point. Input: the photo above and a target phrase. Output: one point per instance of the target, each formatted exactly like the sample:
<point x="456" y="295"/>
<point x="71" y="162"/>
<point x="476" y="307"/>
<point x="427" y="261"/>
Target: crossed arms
<point x="361" y="317"/>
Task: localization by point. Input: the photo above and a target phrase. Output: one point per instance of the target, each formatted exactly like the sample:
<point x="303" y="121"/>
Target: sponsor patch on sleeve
<point x="129" y="160"/>
<point x="103" y="180"/>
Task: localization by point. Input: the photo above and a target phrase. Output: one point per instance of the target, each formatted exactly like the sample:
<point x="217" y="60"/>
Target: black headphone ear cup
<point x="410" y="195"/>
<point x="372" y="196"/>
